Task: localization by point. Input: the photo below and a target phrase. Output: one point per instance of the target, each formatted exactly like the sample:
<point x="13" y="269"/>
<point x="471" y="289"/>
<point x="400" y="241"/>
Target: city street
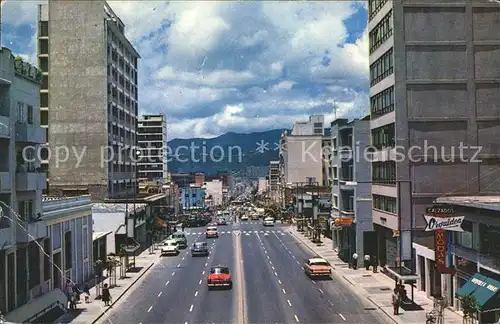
<point x="269" y="285"/>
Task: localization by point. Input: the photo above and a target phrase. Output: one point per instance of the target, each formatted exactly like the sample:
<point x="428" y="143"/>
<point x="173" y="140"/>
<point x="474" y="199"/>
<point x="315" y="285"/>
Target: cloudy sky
<point x="214" y="67"/>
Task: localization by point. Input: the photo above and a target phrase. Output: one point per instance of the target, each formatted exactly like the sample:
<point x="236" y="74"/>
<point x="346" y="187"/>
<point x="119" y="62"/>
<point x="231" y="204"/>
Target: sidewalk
<point x="377" y="287"/>
<point x="92" y="312"/>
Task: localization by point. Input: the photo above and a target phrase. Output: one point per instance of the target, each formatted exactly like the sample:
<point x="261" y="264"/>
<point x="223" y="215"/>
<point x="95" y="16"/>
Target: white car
<point x="170" y="247"/>
<point x="244" y="218"/>
<point x="268" y="221"/>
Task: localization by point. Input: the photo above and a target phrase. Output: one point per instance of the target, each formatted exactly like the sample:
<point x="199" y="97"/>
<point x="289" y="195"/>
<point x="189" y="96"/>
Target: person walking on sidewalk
<point x="106" y="296"/>
<point x="355" y="261"/>
<point x="395" y="301"/>
<point x="367" y="261"/>
<point x="375" y="264"/>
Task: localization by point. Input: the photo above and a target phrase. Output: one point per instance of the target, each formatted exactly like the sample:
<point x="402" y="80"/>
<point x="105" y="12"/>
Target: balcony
<point x="30" y="181"/>
<point x="5" y="185"/>
<point x="30" y="231"/>
<point x="29" y="133"/>
<point x="4" y="127"/>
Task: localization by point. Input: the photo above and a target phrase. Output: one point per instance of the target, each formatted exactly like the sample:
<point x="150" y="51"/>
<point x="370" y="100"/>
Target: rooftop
<point x="98" y="235"/>
<point x="483" y="202"/>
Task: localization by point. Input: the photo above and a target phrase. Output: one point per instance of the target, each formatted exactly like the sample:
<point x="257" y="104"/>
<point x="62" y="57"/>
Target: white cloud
<point x="219" y="66"/>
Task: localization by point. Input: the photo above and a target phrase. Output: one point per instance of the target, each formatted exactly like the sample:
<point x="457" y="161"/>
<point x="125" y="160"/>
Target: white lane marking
<point x="206" y="264"/>
<point x="289" y="303"/>
<point x="342" y="316"/>
<point x="159" y="294"/>
<point x="179" y="265"/>
<point x="314" y="282"/>
<point x="293" y="256"/>
<point x="298" y="262"/>
<point x="195" y="294"/>
<point x="296" y="318"/>
<point x="199" y="283"/>
<point x="275" y="273"/>
<point x="183" y="258"/>
<point x="208" y="258"/>
<point x="302" y="268"/>
<point x="270" y="262"/>
<point x="150" y="308"/>
<point x="283" y="290"/>
<point x="330" y="302"/>
<point x="191" y="308"/>
<point x="279" y="281"/>
<point x="166" y="283"/>
<point x="268" y="256"/>
<point x="173" y="273"/>
<point x="273" y="267"/>
<point x="321" y="291"/>
<point x="203" y="272"/>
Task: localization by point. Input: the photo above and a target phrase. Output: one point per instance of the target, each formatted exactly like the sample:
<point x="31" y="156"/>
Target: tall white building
<point x="152" y="141"/>
<point x="301" y="154"/>
<point x="213" y="191"/>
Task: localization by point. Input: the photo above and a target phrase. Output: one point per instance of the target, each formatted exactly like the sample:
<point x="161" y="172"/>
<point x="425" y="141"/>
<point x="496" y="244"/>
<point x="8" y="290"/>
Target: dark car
<point x="221" y="221"/>
<point x="219" y="277"/>
<point x="199" y="249"/>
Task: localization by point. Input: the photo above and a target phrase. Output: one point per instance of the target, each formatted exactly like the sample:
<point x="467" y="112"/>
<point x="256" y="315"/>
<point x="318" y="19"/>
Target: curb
<point x="384" y="311"/>
<point x="124" y="292"/>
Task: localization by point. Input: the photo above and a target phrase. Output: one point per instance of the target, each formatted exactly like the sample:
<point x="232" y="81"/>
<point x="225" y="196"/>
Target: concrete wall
<point x="303" y="159"/>
<point x="78" y="91"/>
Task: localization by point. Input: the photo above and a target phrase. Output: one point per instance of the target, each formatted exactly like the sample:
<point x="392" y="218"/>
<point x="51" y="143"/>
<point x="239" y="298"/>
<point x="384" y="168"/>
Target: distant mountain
<point x="228" y="152"/>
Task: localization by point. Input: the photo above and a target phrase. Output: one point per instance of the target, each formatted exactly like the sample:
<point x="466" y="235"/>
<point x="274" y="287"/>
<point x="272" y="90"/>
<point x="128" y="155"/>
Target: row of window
<point x="374" y="7"/>
<point x="382" y="68"/>
<point x="384" y="203"/>
<point x="383" y="137"/>
<point x="487" y="241"/>
<point x="384" y="172"/>
<point x="116" y="39"/>
<point x="382" y="103"/>
<point x="381" y="32"/>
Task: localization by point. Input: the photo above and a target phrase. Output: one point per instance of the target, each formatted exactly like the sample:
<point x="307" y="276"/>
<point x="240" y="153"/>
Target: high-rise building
<point x="89" y="99"/>
<point x="152" y="141"/>
<point x="434" y="88"/>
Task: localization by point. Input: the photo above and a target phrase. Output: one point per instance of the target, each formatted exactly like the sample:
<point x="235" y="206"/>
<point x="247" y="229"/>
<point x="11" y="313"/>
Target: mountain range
<point x="228" y="152"/>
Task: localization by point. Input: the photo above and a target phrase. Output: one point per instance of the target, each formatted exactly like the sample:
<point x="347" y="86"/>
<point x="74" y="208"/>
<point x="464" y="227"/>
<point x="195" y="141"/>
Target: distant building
<point x="89" y="111"/>
<point x="214" y="190"/>
<point x="193" y="197"/>
<point x="152" y="141"/>
<point x="199" y="178"/>
<point x="182" y="179"/>
<point x="274" y="178"/>
<point x="262" y="185"/>
<point x="301" y="152"/>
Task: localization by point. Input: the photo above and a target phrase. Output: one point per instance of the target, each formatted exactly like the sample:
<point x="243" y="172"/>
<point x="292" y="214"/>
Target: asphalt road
<point x="269" y="285"/>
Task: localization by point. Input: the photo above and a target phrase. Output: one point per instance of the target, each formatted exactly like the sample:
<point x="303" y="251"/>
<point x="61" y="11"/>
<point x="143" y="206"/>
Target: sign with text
<point x="453" y="223"/>
<point x="440" y="246"/>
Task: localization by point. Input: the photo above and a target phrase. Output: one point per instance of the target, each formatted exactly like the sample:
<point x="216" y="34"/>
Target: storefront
<point x="485" y="291"/>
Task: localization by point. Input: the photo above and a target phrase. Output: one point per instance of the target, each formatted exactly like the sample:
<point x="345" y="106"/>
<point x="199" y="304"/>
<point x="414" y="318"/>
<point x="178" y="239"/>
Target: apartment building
<point x="21" y="180"/>
<point x="351" y="188"/>
<point x="89" y="99"/>
<point x="213" y="191"/>
<point x="274" y="180"/>
<point x="430" y="86"/>
<point x="152" y="141"/>
<point x="301" y="152"/>
<point x="193" y="197"/>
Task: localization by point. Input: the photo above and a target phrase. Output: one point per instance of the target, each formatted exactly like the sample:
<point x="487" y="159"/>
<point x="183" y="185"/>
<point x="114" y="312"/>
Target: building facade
<point x="152" y="142"/>
<point x="475" y="250"/>
<point x="214" y="192"/>
<point x="351" y="188"/>
<point x="21" y="181"/>
<point x="301" y="152"/>
<point x="99" y="151"/>
<point x="445" y="103"/>
<point x="193" y="197"/>
<point x="39" y="275"/>
<point x="262" y="185"/>
<point x="274" y="180"/>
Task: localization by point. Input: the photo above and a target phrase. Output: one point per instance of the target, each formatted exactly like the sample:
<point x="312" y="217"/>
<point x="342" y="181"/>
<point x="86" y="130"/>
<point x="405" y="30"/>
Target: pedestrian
<point x="68" y="291"/>
<point x="182" y="226"/>
<point x="375" y="264"/>
<point x="86" y="291"/>
<point x="367" y="261"/>
<point x="355" y="261"/>
<point x="395" y="301"/>
<point x="106" y="296"/>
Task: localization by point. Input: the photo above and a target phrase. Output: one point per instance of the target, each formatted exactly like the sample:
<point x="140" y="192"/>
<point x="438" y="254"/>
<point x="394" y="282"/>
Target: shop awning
<point x="484" y="289"/>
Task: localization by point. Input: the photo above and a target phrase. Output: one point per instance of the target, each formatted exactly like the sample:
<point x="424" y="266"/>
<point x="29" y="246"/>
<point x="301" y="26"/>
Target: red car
<point x="219" y="277"/>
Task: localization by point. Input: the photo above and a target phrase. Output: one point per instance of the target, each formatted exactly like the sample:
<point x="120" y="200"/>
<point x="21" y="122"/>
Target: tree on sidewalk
<point x="470" y="308"/>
